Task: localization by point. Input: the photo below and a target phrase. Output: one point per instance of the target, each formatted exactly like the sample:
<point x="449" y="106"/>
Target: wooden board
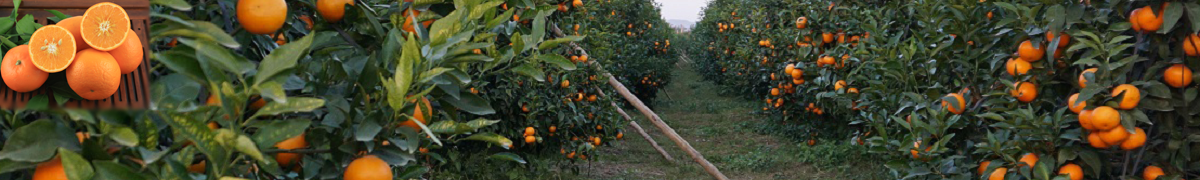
<point x="133" y="93"/>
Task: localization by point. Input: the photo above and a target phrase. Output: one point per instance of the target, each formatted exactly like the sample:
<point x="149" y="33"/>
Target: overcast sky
<point x="682" y="9"/>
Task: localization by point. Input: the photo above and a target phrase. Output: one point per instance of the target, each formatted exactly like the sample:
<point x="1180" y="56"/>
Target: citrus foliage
<point x="972" y="89"/>
<point x="351" y="90"/>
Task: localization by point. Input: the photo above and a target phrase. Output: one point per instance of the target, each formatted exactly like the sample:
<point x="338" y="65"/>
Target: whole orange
<point x="961" y="105"/>
<point x="1130" y="98"/>
<point x="1028" y="159"/>
<point x="1024" y="91"/>
<point x="287" y="159"/>
<point x="94" y="75"/>
<point x="262" y="16"/>
<point x="1191" y="45"/>
<point x="1086" y="120"/>
<point x="1149" y="21"/>
<point x="50" y="170"/>
<point x="1094" y="139"/>
<point x="1105" y="118"/>
<point x="1017" y="67"/>
<point x="419" y="114"/>
<point x="1178" y="76"/>
<point x="1083" y="81"/>
<point x="1135" y="140"/>
<point x="19" y="73"/>
<point x="368" y="168"/>
<point x="1152" y="172"/>
<point x="129" y="54"/>
<point x="1030" y="53"/>
<point x="998" y="173"/>
<point x="1076" y="107"/>
<point x="1071" y="170"/>
<point x="1062" y="40"/>
<point x="333" y="10"/>
<point x="1114" y="136"/>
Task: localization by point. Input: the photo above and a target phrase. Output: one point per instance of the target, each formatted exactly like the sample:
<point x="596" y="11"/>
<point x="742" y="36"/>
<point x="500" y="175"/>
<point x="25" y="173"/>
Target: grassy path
<point x="722" y="129"/>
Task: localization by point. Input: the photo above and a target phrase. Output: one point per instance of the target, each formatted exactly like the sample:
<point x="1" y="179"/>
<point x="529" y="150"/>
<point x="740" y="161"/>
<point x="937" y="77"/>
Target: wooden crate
<point x="133" y="93"/>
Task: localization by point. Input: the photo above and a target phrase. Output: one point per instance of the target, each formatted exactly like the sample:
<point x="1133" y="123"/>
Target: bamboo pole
<point x="640" y="130"/>
<point x="641" y="107"/>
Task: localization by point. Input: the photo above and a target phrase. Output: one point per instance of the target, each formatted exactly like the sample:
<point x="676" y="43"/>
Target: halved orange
<point x="72" y="25"/>
<point x="52" y="48"/>
<point x="104" y="26"/>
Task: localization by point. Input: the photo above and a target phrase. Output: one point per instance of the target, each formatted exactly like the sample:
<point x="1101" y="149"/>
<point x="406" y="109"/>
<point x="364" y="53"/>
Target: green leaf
<point x="471" y="58"/>
<point x="507" y="156"/>
<point x="471" y="103"/>
<point x="531" y="71"/>
<point x="174" y="4"/>
<point x="554" y="42"/>
<point x="274" y="131"/>
<point x="109" y="170"/>
<point x="491" y="138"/>
<point x="26" y="26"/>
<point x="248" y="147"/>
<point x="294" y="104"/>
<point x="449" y="127"/>
<point x="38" y="102"/>
<point x="75" y="166"/>
<point x="6" y="23"/>
<point x="1193" y="11"/>
<point x="80" y="115"/>
<point x="366" y="131"/>
<point x="122" y="135"/>
<point x="209" y="51"/>
<point x="1170" y="15"/>
<point x="559" y="61"/>
<point x="58" y="16"/>
<point x="272" y="90"/>
<point x="480" y="123"/>
<point x="199" y="30"/>
<point x="282" y="59"/>
<point x="428" y="75"/>
<point x="37" y="141"/>
<point x="181" y="62"/>
<point x="7" y="166"/>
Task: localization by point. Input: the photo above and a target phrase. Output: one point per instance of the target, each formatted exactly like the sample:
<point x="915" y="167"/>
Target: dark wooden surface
<point x="133" y="92"/>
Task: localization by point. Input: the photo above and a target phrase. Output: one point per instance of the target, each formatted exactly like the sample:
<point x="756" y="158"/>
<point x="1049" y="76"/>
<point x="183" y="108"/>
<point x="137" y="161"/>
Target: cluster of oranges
<point x="92" y="50"/>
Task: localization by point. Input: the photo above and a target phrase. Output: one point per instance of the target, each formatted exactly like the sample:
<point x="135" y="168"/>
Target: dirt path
<point x="720" y="127"/>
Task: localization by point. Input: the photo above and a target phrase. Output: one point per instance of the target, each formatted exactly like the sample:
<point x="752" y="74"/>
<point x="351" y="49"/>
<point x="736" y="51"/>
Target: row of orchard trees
<point x="973" y="89"/>
<point x="357" y="90"/>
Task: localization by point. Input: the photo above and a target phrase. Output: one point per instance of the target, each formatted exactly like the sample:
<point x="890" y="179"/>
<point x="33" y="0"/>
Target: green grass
<point x="723" y="129"/>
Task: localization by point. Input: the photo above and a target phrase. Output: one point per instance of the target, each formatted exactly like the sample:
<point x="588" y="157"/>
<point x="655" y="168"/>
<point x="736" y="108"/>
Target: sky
<point x="682" y="9"/>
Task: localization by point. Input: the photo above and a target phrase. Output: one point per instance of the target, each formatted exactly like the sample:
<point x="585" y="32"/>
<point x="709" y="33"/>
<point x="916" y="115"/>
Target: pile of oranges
<point x="92" y="50"/>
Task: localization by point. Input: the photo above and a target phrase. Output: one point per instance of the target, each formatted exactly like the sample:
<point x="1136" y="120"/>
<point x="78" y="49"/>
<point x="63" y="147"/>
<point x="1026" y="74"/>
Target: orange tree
<point x="338" y="89"/>
<point x="972" y="89"/>
<point x="629" y="38"/>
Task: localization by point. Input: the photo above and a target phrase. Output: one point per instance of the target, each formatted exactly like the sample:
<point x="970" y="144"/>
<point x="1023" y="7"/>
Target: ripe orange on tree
<point x="408" y="20"/>
<point x="1135" y="140"/>
<point x="1071" y="170"/>
<point x="1177" y="76"/>
<point x="18" y="72"/>
<point x="1114" y="136"/>
<point x="1105" y="118"/>
<point x="1131" y="96"/>
<point x="530" y="139"/>
<point x="104" y="26"/>
<point x="368" y="168"/>
<point x="837" y="86"/>
<point x="333" y="10"/>
<point x="998" y="173"/>
<point x="1029" y="53"/>
<point x="94" y="75"/>
<point x="419" y="114"/>
<point x="983" y="166"/>
<point x="956" y="108"/>
<point x="50" y="170"/>
<point x="129" y="55"/>
<point x="261" y="16"/>
<point x="1147" y="21"/>
<point x="1029" y="159"/>
<point x="1191" y="45"/>
<point x="1075" y="107"/>
<point x="288" y="159"/>
<point x="52" y="48"/>
<point x="1152" y="172"/>
<point x="1024" y="91"/>
<point x="1085" y="119"/>
<point x="1063" y="40"/>
<point x="529" y="131"/>
<point x="1017" y="67"/>
<point x="1094" y="139"/>
<point x="1082" y="80"/>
